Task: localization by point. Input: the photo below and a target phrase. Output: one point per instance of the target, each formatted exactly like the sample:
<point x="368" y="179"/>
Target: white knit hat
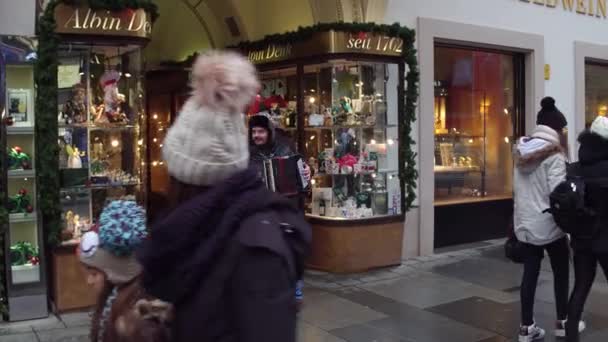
<point x="208" y="141"/>
<point x="600" y="126"/>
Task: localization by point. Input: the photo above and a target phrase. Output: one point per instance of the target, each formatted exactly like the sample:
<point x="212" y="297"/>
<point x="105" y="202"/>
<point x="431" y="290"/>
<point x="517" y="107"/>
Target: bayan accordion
<point x="285" y="175"/>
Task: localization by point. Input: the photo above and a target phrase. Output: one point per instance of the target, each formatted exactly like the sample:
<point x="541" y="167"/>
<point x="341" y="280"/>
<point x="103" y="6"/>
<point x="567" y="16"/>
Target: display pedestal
<point x="356" y="247"/>
<point x="70" y="290"/>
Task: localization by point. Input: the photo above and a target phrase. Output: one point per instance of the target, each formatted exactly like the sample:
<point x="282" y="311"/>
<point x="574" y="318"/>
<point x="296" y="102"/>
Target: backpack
<point x="567" y="202"/>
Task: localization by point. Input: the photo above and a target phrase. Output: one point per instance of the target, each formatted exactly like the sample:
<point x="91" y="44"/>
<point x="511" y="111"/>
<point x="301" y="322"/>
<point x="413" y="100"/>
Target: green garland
<point x="47" y="150"/>
<point x="408" y="175"/>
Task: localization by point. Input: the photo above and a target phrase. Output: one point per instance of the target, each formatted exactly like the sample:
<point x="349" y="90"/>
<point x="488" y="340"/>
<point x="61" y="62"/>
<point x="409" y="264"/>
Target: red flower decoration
<point x="127" y="14"/>
<point x="362" y="35"/>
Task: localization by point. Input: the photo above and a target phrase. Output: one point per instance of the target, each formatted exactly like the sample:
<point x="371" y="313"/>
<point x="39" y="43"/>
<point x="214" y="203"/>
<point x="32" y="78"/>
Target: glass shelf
<point x="21" y="173"/>
<point x="15" y="130"/>
<point x="23" y="217"/>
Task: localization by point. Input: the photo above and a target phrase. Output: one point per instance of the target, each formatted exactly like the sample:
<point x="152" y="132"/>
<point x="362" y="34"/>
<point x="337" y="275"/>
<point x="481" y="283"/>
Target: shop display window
<point x="475" y="119"/>
<point x="101" y="139"/>
<point x="348" y="137"/>
<point x="596" y="91"/>
<point x="24" y="237"/>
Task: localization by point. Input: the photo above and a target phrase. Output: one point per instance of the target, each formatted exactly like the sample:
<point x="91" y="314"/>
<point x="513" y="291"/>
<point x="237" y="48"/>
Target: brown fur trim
<point x="537" y="156"/>
<point x="153" y="310"/>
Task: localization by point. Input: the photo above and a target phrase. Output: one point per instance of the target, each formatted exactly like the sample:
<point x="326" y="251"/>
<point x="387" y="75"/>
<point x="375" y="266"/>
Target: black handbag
<point x="514" y="249"/>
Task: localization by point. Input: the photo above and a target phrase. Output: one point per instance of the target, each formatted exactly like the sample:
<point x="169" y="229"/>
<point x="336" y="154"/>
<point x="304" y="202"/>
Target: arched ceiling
<point x="187" y="26"/>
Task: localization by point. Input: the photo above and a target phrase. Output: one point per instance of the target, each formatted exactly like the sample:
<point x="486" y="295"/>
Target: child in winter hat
<point x="208" y="141"/>
<point x="123" y="312"/>
<point x="122" y="227"/>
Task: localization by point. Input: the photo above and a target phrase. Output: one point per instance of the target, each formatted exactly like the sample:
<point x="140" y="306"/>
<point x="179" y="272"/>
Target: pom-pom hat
<point x="208" y="141"/>
<point x="122" y="228"/>
<point x="600" y="127"/>
<point x="550" y="116"/>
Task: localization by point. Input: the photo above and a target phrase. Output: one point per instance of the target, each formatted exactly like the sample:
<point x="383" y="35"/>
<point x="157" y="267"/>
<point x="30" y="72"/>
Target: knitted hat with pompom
<point x="122" y="228"/>
<point x="208" y="141"/>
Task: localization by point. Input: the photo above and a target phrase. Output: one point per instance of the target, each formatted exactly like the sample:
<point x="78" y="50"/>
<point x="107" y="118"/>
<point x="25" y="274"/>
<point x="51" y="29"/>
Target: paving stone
<point x="350" y="282"/>
<point x="29" y="337"/>
<point x="485" y="272"/>
<point x="328" y="312"/>
<point x="52" y="322"/>
<point x="366" y="333"/>
<point x="80" y="334"/>
<point x="309" y="333"/>
<point x="10" y="329"/>
<point x="425" y="290"/>
<point x="403" y="269"/>
<point x="76" y="319"/>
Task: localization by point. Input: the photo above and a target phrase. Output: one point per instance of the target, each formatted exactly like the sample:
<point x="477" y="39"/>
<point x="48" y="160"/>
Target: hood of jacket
<point x="531" y="151"/>
<point x="184" y="246"/>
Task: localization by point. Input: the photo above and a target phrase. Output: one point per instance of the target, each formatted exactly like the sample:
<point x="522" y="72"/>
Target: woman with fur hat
<point x="540" y="167"/>
<point x="123" y="311"/>
<point x="228" y="254"/>
<point x="590" y="242"/>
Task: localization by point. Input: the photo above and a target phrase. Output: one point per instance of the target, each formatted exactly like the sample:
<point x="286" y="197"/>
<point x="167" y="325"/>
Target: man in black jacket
<point x="266" y="142"/>
<point x="590" y="242"/>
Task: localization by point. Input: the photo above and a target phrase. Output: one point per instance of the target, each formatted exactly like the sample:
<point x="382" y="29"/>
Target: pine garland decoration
<point x="408" y="173"/>
<point x="47" y="149"/>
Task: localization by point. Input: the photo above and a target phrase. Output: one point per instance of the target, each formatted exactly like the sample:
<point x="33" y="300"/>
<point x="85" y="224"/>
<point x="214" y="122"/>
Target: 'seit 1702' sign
<point x="591" y="8"/>
<point x="331" y="42"/>
<point x="134" y="23"/>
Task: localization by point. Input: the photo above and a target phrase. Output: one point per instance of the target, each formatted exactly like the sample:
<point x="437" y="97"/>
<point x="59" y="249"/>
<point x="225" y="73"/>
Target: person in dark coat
<point x="590" y="242"/>
<point x="229" y="253"/>
<point x="266" y="141"/>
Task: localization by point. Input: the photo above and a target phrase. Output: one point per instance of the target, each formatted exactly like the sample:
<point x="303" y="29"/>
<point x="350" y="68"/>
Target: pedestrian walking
<point x="540" y="167"/>
<point x="124" y="312"/>
<point x="229" y="253"/>
<point x="590" y="239"/>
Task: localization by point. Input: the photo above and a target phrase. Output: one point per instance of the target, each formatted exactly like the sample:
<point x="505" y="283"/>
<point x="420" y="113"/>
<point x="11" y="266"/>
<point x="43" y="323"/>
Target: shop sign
<point x="271" y="53"/>
<point x="591" y="8"/>
<point x="134" y="23"/>
<point x="367" y="43"/>
<point x="330" y="42"/>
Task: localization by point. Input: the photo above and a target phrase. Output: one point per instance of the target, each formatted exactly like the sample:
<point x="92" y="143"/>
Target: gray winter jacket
<point x="541" y="166"/>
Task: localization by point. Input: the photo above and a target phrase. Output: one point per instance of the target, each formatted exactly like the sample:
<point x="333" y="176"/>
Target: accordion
<point x="285" y="175"/>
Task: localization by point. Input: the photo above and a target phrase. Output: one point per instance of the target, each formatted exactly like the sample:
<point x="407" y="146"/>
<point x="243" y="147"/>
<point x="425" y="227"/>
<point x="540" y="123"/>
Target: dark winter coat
<point x="593" y="161"/>
<point x="228" y="260"/>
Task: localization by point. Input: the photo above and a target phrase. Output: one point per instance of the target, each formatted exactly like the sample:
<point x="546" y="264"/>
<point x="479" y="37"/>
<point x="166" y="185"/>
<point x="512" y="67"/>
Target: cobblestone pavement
<point x="464" y="295"/>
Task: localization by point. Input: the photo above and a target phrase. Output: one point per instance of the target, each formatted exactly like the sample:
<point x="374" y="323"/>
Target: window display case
<point x="337" y="99"/>
<point x="91" y="108"/>
<point x="101" y="139"/>
<point x="348" y="134"/>
<point x="23" y="242"/>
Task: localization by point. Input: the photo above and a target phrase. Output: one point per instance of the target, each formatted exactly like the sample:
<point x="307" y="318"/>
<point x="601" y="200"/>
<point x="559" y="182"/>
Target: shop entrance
<point x="479" y="114"/>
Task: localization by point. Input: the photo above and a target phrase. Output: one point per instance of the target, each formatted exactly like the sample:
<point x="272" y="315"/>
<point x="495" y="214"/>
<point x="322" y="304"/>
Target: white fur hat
<point x="208" y="141"/>
<point x="600" y="126"/>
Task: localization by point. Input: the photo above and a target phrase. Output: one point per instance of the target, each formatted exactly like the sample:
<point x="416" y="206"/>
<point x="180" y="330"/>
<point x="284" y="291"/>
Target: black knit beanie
<point x="550" y="116"/>
<point x="260" y="121"/>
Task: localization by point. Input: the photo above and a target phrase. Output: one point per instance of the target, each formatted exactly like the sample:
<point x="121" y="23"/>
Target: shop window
<point x="476" y="114"/>
<point x="596" y="91"/>
<point x="348" y="137"/>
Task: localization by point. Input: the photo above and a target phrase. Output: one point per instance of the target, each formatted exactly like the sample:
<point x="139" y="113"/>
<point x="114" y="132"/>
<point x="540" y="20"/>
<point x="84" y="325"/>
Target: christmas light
<point x="115" y="143"/>
<point x="390" y="141"/>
